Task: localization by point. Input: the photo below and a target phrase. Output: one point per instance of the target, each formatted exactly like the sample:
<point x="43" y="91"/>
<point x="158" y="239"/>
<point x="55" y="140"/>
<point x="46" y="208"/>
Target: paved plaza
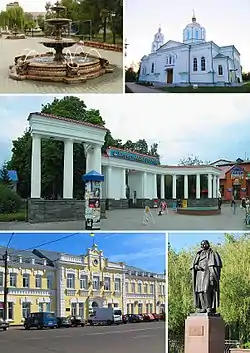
<point x="142" y="337"/>
<point x="108" y="83"/>
<point x="131" y="219"/>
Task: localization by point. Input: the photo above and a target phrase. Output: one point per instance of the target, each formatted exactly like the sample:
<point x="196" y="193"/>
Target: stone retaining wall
<point x="117" y="204"/>
<point x="100" y="45"/>
<point x="202" y="203"/>
<point x="40" y="211"/>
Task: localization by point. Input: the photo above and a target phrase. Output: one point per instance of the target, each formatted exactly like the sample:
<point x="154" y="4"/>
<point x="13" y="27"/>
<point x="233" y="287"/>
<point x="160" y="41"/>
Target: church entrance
<point x="170" y="73"/>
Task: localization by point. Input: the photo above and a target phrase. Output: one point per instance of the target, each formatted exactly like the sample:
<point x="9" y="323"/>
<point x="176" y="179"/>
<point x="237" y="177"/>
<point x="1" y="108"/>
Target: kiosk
<point x="93" y="182"/>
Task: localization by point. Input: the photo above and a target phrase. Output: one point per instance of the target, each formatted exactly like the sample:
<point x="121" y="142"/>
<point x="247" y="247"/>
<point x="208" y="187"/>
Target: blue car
<point x="40" y="320"/>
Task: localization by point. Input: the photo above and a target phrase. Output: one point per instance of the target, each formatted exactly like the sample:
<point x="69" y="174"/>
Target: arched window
<point x="167" y="60"/>
<point x="170" y="60"/>
<point x="144" y="71"/>
<point x="152" y="68"/>
<point x="95" y="305"/>
<point x="220" y="70"/>
<point x="196" y="34"/>
<point x="203" y="64"/>
<point x="195" y="66"/>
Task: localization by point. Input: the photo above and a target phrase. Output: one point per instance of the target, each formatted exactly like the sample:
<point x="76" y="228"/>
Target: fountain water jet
<point x="55" y="66"/>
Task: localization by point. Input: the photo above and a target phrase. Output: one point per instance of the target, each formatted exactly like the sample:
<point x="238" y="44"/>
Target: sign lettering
<point x="196" y="331"/>
<point x="133" y="156"/>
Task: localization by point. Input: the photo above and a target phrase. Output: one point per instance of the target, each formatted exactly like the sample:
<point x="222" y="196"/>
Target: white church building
<point x="192" y="62"/>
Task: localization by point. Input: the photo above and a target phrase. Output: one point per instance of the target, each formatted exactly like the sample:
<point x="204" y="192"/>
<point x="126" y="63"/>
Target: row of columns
<point x="93" y="162"/>
<point x="213" y="186"/>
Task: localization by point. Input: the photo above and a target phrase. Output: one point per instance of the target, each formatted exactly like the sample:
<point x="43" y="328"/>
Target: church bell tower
<point x="158" y="41"/>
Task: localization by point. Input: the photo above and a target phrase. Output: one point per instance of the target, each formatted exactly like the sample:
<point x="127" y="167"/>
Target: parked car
<point x="4" y="325"/>
<point x="134" y="318"/>
<point x="148" y="317"/>
<point x="63" y="322"/>
<point x="77" y="321"/>
<point x="40" y="320"/>
<point x="157" y="317"/>
<point x="124" y="319"/>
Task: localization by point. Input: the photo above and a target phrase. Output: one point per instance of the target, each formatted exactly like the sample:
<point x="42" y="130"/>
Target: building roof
<point x="224" y="170"/>
<point x="220" y="56"/>
<point x="70" y="120"/>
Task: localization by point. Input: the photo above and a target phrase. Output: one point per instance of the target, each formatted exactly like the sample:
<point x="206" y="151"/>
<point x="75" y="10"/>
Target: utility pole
<point x="5" y="293"/>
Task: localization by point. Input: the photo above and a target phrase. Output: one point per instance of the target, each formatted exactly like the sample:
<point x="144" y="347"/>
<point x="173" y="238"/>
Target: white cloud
<point x="205" y="125"/>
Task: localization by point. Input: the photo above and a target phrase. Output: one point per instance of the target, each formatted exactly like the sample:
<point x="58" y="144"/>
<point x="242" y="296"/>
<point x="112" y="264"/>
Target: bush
<point x="13" y="217"/>
<point x="10" y="202"/>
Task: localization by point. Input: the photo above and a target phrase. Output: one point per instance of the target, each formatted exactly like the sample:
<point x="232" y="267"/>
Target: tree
<point x="235" y="288"/>
<point x="192" y="160"/>
<point x="130" y="75"/>
<point x="53" y="151"/>
<point x="4" y="175"/>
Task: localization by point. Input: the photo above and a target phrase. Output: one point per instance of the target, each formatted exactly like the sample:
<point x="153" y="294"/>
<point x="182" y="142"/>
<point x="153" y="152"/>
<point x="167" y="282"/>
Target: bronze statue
<point x="206" y="270"/>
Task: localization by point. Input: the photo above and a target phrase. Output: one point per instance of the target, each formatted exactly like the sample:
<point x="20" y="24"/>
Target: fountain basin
<point x="15" y="36"/>
<point x="79" y="69"/>
<point x="58" y="21"/>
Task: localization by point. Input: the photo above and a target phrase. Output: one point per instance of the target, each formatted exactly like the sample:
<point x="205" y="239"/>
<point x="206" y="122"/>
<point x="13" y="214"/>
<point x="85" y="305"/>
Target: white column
<point x="185" y="186"/>
<point x="36" y="167"/>
<point x="209" y="186"/>
<point x="174" y="187"/>
<point x="154" y="191"/>
<point x="144" y="186"/>
<point x="68" y="170"/>
<point x="123" y="184"/>
<point x="89" y="158"/>
<point x="162" y="187"/>
<point x="215" y="191"/>
<point x="198" y="186"/>
<point x="97" y="159"/>
<point x="109" y="183"/>
<point x="218" y="184"/>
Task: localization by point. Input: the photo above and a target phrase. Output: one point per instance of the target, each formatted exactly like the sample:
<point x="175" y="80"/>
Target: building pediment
<point x="170" y="44"/>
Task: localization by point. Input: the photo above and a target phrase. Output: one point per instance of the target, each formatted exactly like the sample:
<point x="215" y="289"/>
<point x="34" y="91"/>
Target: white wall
<point x="116" y="184"/>
<point x="135" y="182"/>
<point x="225" y="64"/>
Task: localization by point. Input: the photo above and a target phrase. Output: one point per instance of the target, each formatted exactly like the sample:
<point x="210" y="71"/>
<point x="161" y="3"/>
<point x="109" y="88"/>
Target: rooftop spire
<point x="193" y="18"/>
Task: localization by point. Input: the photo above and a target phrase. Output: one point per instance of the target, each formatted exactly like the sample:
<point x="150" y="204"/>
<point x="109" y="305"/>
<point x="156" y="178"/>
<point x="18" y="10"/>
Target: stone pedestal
<point x="204" y="334"/>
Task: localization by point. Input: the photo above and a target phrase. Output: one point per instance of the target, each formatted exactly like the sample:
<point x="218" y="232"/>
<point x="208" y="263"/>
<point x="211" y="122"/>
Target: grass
<point x="228" y="89"/>
<point x="13" y="217"/>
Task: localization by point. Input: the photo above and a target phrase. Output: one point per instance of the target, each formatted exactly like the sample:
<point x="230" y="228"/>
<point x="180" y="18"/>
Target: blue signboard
<point x="133" y="156"/>
<point x="237" y="171"/>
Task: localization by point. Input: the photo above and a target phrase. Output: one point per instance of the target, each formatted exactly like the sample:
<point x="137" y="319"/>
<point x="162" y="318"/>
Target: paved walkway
<point x="135" y="88"/>
<point x="131" y="219"/>
<point x="109" y="83"/>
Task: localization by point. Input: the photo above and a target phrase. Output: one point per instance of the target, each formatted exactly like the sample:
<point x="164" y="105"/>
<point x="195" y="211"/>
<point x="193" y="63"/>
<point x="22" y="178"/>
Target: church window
<point x="144" y="71"/>
<point x="203" y="64"/>
<point x="220" y="70"/>
<point x="153" y="68"/>
<point x="167" y="61"/>
<point x="195" y="66"/>
<point x="170" y="60"/>
<point x="197" y="34"/>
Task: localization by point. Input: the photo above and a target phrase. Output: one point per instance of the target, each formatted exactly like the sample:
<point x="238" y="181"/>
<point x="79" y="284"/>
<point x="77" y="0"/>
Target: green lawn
<point x="13" y="217"/>
<point x="241" y="89"/>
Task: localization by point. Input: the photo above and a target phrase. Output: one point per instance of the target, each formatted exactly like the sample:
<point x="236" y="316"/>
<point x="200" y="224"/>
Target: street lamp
<point x="5" y="292"/>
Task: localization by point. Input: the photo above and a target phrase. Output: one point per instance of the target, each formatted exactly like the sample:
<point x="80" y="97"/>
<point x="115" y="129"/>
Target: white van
<point x="106" y="316"/>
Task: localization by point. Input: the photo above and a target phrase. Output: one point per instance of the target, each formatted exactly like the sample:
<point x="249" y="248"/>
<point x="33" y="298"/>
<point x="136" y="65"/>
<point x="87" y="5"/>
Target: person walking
<point x="233" y="204"/>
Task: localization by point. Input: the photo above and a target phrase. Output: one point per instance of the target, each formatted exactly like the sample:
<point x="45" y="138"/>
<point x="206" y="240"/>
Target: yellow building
<point x="78" y="283"/>
<point x="31" y="285"/>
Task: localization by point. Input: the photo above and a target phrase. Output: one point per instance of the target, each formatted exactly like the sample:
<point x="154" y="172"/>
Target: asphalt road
<point x="142" y="337"/>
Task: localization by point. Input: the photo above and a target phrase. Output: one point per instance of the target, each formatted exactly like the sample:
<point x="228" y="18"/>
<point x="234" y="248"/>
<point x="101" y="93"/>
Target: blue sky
<point x="226" y="23"/>
<point x="146" y="251"/>
<point x="211" y="126"/>
<point x="180" y="241"/>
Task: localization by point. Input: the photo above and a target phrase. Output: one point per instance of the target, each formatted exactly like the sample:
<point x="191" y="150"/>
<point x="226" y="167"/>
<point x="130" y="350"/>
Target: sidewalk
<point x="135" y="88"/>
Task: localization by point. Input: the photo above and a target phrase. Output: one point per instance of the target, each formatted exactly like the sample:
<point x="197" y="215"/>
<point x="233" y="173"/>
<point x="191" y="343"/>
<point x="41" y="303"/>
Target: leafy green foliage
<point x="53" y="151"/>
<point x="235" y="289"/>
<point x="10" y="202"/>
<point x="4" y="175"/>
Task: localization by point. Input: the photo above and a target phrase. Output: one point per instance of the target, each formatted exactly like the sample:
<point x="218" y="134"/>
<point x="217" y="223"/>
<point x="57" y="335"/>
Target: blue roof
<point x="13" y="175"/>
<point x="93" y="176"/>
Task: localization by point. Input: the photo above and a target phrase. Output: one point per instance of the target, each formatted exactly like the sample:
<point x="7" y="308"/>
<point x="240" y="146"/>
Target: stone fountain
<point x="56" y="66"/>
<point x="15" y="34"/>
